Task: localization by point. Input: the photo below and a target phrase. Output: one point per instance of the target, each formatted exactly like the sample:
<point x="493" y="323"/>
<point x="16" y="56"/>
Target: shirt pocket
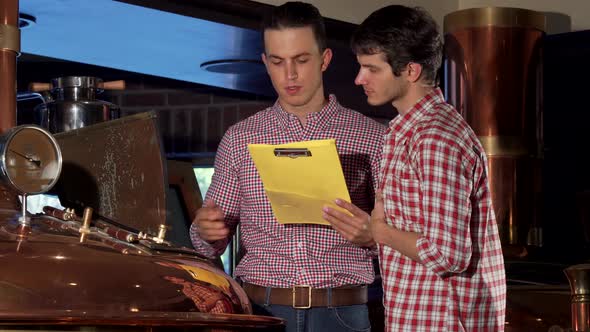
<point x="406" y="190"/>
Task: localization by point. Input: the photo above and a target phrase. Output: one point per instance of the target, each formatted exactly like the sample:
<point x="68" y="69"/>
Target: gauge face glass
<point x="32" y="160"/>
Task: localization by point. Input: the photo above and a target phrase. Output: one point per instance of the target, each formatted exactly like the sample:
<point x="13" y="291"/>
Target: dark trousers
<point x="354" y="318"/>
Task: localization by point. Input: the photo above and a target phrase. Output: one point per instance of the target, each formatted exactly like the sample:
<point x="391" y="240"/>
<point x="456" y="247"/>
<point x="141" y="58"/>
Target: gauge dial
<point x="31" y="159"/>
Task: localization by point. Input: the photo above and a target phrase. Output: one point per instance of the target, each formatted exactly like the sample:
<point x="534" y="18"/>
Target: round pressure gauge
<point x="30" y="159"/>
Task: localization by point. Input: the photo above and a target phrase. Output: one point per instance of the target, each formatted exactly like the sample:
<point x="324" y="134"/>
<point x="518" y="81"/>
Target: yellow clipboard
<point x="300" y="179"/>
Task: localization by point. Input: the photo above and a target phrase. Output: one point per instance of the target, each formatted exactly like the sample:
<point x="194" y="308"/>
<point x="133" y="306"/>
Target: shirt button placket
<point x="299" y="257"/>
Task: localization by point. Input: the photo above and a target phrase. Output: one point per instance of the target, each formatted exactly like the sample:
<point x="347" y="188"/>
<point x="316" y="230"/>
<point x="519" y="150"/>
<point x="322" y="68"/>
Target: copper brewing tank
<point x="56" y="276"/>
<point x="493" y="76"/>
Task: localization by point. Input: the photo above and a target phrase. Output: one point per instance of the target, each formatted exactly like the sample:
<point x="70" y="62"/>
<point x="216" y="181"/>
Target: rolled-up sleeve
<point x="445" y="172"/>
<point x="225" y="192"/>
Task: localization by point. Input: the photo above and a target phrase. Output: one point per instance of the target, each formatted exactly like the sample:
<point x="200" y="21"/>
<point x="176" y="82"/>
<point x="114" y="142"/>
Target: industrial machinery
<point x="104" y="263"/>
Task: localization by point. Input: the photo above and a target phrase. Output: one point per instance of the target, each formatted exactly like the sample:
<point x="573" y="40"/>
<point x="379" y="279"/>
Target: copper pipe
<point x="579" y="280"/>
<point x="117" y="233"/>
<point x="65" y="215"/>
<point x="111" y="230"/>
<point x="9" y="50"/>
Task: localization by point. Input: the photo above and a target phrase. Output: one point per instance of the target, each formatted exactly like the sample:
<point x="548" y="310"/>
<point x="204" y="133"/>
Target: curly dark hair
<point x="404" y="35"/>
<point x="296" y="14"/>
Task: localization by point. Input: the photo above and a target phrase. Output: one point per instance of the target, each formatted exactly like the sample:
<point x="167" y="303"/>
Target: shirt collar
<point x="402" y="123"/>
<point x="326" y="113"/>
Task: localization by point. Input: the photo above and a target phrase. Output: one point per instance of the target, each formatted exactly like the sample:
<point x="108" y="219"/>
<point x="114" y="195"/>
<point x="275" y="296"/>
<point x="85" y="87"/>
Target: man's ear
<point x="263" y="57"/>
<point x="326" y="58"/>
<point x="265" y="61"/>
<point x="414" y="72"/>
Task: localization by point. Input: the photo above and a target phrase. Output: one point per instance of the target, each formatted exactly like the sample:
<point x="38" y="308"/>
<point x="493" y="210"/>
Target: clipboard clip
<point x="292" y="152"/>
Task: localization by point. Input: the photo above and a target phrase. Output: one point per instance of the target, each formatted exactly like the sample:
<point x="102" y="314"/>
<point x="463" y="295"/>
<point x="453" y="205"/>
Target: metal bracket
<point x="10" y="38"/>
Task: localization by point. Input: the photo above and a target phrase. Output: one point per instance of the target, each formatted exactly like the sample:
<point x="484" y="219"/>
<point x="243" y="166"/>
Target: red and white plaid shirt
<point x="286" y="255"/>
<point x="435" y="182"/>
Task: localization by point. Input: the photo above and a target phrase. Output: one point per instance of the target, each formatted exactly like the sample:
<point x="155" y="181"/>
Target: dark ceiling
<point x="176" y="39"/>
<point x="138" y="39"/>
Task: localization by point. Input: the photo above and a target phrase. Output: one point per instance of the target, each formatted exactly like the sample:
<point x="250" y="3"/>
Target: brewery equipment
<point x="71" y="103"/>
<point x="30" y="159"/>
<point x="493" y="77"/>
<point x="30" y="162"/>
<point x="104" y="263"/>
<point x="65" y="272"/>
<point x="579" y="280"/>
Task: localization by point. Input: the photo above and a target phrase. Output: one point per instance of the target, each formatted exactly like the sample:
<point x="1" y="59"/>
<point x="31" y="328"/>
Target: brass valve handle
<point x="112" y="85"/>
<point x="39" y="87"/>
<point x="86" y="219"/>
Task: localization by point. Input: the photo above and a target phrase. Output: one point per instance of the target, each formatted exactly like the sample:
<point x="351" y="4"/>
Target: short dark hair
<point x="404" y="35"/>
<point x="296" y="14"/>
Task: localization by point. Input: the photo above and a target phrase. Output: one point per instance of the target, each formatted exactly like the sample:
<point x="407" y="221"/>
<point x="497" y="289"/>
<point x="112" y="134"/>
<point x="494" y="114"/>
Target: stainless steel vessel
<point x="73" y="103"/>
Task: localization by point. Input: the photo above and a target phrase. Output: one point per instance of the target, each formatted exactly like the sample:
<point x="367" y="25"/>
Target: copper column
<point x="493" y="77"/>
<point x="9" y="50"/>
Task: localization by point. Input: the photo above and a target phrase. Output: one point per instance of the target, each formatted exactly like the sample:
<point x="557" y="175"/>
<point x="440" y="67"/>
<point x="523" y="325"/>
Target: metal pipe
<point x="579" y="280"/>
<point x="9" y="50"/>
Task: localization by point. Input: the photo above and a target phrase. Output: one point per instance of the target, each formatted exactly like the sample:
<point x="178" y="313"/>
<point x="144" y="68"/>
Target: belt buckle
<point x="294" y="304"/>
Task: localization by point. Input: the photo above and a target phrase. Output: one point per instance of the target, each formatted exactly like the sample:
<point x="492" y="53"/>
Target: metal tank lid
<point x="494" y="16"/>
<point x="76" y="82"/>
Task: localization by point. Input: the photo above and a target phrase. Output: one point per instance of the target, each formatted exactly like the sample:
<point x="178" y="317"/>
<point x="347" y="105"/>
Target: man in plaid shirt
<point x="313" y="276"/>
<point x="439" y="249"/>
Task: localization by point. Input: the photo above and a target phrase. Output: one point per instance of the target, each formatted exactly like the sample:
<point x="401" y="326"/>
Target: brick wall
<point x="192" y="117"/>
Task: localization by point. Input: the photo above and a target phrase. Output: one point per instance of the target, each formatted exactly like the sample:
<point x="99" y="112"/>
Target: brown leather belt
<point x="305" y="297"/>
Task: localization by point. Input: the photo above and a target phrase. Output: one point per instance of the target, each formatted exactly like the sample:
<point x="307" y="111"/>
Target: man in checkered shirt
<point x="313" y="276"/>
<point x="439" y="249"/>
